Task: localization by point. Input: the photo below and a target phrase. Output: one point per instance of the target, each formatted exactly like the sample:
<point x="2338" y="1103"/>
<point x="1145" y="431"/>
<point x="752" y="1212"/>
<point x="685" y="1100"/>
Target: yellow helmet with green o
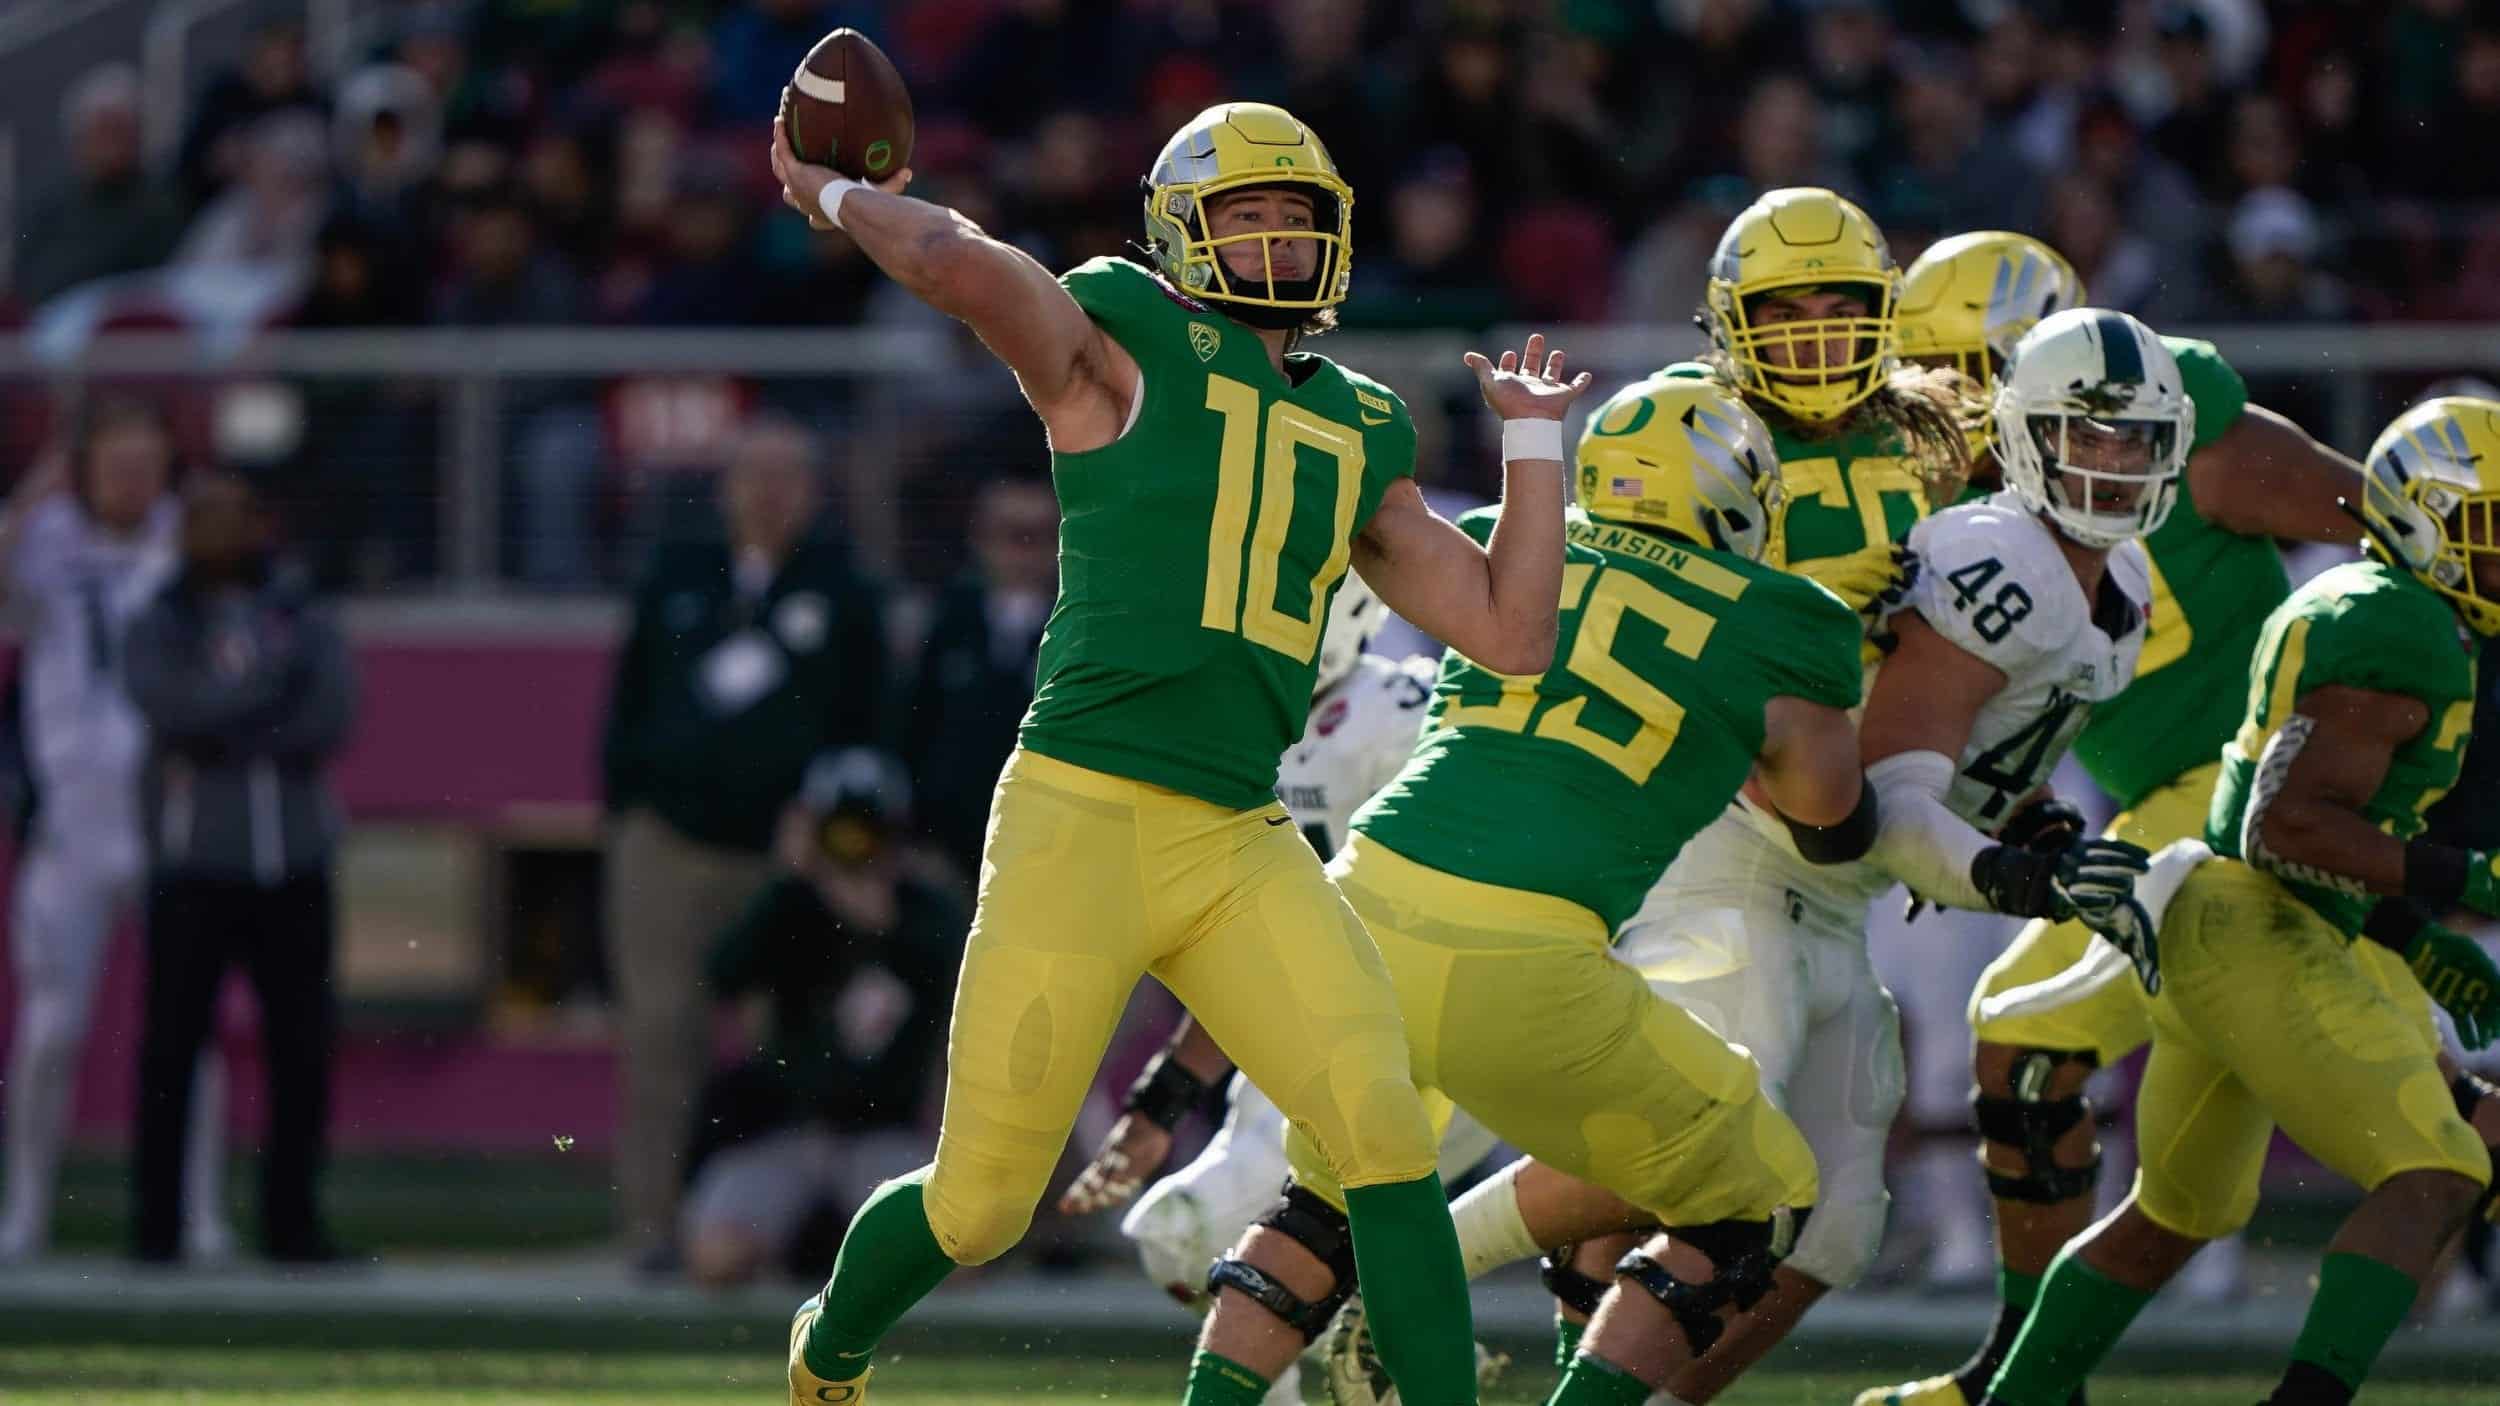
<point x="2430" y="499"/>
<point x="1248" y="146"/>
<point x="1683" y="455"/>
<point x="1796" y="240"/>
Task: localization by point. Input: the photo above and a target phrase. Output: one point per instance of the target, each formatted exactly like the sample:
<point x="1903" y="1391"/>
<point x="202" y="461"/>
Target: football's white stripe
<point x="817" y="86"/>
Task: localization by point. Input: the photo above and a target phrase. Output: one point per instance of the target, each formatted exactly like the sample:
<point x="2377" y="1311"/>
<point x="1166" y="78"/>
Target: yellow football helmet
<point x="1970" y="298"/>
<point x="2430" y="497"/>
<point x="1237" y="146"/>
<point x="1796" y="240"/>
<point x="1683" y="455"/>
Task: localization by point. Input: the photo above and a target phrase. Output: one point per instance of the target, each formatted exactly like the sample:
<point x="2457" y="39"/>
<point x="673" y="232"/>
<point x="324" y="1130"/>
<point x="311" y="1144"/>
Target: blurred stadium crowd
<point x="518" y="162"/>
<point x="522" y="163"/>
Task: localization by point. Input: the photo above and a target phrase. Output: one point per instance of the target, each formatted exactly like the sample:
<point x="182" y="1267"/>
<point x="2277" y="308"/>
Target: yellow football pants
<point x="1087" y="882"/>
<point x="1516" y="1012"/>
<point x="2112" y="1022"/>
<point x="2267" y="1016"/>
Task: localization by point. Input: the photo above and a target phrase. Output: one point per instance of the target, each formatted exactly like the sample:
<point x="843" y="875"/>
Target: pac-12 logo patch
<point x="1204" y="340"/>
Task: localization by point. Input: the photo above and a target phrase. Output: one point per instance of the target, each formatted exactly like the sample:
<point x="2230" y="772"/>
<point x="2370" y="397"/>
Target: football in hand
<point x="847" y="108"/>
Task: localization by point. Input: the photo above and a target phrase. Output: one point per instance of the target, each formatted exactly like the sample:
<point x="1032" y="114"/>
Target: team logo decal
<point x="1331" y="716"/>
<point x="1204" y="340"/>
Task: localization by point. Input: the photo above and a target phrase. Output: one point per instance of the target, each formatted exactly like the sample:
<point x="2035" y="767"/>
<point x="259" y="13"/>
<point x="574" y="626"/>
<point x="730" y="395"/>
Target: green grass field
<point x="46" y="1376"/>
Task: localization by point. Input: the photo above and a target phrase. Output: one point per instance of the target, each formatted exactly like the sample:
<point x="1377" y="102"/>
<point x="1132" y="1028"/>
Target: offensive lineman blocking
<point x="1684" y="664"/>
<point x="1214" y="487"/>
<point x="2026" y="610"/>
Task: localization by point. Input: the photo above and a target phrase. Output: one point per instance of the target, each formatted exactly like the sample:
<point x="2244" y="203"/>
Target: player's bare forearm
<point x="1927" y="696"/>
<point x="1523" y="560"/>
<point x="1007" y="298"/>
<point x="2305" y="817"/>
<point x="1494" y="604"/>
<point x="2267" y="478"/>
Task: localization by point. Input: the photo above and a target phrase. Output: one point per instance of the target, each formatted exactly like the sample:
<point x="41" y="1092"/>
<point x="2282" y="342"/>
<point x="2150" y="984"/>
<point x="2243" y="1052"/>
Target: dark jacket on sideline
<point x="248" y="692"/>
<point x="720" y="700"/>
<point x="959" y="724"/>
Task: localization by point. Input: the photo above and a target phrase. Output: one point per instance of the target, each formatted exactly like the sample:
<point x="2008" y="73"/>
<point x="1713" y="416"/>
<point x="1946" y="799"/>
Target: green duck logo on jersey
<point x="1204" y="340"/>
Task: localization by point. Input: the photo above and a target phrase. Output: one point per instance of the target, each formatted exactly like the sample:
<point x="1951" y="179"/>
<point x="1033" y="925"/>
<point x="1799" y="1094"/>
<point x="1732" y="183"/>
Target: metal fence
<point x="465" y="463"/>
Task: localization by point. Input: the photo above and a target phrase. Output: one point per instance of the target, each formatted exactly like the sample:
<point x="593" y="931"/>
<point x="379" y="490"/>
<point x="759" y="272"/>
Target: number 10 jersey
<point x="1198" y="552"/>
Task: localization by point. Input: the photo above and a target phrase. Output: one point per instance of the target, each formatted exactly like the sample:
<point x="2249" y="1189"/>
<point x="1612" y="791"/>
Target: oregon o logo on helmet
<point x="1616" y="422"/>
<point x="879" y="155"/>
<point x="1284" y="161"/>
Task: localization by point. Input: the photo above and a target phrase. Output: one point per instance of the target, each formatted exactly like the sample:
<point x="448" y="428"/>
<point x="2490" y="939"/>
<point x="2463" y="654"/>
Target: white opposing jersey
<point x="84" y="585"/>
<point x="1360" y="733"/>
<point x="1993" y="581"/>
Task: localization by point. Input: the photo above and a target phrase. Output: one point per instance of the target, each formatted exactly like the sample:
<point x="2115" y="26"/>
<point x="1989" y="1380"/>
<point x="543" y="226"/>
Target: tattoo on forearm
<point x="2263" y="788"/>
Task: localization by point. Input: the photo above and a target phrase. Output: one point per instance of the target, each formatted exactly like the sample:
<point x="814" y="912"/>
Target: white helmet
<point x="2093" y="425"/>
<point x="1353" y="618"/>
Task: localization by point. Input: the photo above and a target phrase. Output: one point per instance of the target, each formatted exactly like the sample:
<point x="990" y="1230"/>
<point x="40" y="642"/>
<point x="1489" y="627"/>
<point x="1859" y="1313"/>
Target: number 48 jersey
<point x="1993" y="581"/>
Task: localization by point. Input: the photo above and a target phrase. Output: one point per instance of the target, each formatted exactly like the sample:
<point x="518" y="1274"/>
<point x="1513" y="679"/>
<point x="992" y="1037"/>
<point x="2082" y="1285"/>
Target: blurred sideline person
<point x="88" y="540"/>
<point x="248" y="692"/>
<point x="747" y="655"/>
<point x="975" y="673"/>
<point x="856" y="956"/>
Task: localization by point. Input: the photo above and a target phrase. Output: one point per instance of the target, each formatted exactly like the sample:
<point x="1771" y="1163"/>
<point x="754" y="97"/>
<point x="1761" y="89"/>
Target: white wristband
<point x="1532" y="439"/>
<point x="829" y="199"/>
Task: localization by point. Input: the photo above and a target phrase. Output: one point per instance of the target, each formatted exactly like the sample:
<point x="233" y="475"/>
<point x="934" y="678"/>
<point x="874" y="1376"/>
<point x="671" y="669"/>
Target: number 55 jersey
<point x="1584" y="781"/>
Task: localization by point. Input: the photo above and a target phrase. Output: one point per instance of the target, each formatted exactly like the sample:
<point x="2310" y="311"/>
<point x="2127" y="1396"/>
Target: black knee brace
<point x="1566" y="1283"/>
<point x="1742" y="1253"/>
<point x="1317" y="1227"/>
<point x="2469" y="1090"/>
<point x="2034" y="1123"/>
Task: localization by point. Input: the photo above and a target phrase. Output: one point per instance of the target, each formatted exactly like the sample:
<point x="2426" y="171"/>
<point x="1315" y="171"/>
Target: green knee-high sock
<point x="2360" y="1304"/>
<point x="1220" y="1381"/>
<point x="2079" y="1318"/>
<point x="1589" y="1381"/>
<point x="1566" y="1339"/>
<point x="1415" y="1290"/>
<point x="890" y="1260"/>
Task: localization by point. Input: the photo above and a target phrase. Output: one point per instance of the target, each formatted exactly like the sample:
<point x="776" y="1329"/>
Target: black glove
<point x="2045" y="826"/>
<point x="2087" y="872"/>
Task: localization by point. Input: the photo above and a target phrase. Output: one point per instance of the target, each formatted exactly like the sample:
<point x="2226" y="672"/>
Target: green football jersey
<point x="2212" y="591"/>
<point x="1198" y="552"/>
<point x="2365" y="625"/>
<point x="1584" y="781"/>
<point x="1846" y="493"/>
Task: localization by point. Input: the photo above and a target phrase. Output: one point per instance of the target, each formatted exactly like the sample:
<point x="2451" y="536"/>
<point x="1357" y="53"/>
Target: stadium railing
<point x="466" y="445"/>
